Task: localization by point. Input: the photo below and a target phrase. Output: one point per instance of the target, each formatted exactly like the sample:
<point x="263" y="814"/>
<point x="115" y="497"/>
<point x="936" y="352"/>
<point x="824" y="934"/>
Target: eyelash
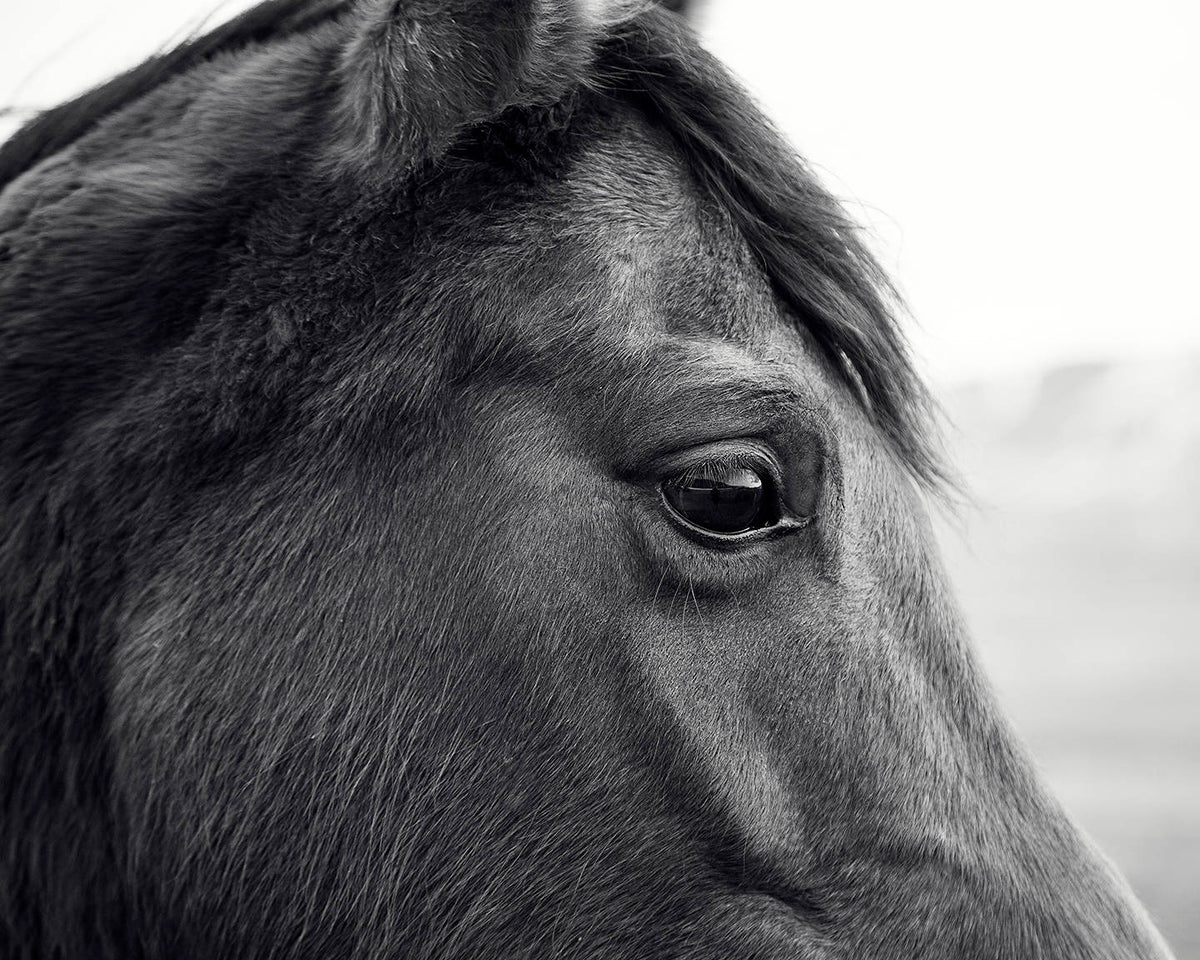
<point x="729" y="462"/>
<point x="722" y="455"/>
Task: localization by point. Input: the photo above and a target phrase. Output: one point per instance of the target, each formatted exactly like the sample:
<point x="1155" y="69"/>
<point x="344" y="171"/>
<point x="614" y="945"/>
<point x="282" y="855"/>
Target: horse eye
<point x="722" y="499"/>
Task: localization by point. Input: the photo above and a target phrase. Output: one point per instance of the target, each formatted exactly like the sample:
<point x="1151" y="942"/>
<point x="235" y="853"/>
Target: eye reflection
<point x="722" y="499"/>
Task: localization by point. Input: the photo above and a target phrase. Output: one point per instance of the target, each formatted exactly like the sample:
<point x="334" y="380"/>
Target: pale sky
<point x="1029" y="171"/>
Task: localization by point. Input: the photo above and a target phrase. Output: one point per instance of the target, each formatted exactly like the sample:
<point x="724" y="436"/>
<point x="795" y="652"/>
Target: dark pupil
<point x="723" y="500"/>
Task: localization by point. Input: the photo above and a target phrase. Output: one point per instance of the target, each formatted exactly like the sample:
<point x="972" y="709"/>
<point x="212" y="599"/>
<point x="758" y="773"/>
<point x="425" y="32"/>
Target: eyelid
<point x="738" y="452"/>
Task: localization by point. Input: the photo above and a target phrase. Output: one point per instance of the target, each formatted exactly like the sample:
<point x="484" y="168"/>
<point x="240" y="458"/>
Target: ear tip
<point x="599" y="13"/>
<point x="595" y="11"/>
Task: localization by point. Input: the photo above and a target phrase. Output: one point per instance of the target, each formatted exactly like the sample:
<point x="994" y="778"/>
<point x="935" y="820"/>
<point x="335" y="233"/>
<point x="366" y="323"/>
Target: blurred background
<point x="1030" y="175"/>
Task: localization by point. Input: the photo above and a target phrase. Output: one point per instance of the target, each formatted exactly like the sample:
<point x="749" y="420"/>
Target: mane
<point x="802" y="237"/>
<point x="57" y="128"/>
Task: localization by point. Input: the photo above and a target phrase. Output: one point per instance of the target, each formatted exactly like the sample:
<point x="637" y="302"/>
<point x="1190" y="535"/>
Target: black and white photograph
<point x="599" y="480"/>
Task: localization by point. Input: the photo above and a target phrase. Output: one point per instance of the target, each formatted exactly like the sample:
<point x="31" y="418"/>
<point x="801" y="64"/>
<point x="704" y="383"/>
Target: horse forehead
<point x="674" y="263"/>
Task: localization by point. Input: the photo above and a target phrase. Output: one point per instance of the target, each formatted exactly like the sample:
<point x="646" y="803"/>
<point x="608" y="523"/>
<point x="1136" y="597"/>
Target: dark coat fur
<point x="339" y="613"/>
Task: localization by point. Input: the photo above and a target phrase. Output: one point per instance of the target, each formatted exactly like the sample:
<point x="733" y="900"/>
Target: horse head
<point x="464" y="496"/>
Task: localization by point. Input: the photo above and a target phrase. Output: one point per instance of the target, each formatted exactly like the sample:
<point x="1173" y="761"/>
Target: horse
<point x="465" y="494"/>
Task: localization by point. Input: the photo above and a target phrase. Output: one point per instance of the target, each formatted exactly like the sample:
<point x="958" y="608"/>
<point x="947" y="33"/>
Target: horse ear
<point x="413" y="73"/>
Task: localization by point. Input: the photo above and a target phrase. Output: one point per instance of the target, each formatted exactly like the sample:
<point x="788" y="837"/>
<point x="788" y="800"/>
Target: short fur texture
<point x="343" y="355"/>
